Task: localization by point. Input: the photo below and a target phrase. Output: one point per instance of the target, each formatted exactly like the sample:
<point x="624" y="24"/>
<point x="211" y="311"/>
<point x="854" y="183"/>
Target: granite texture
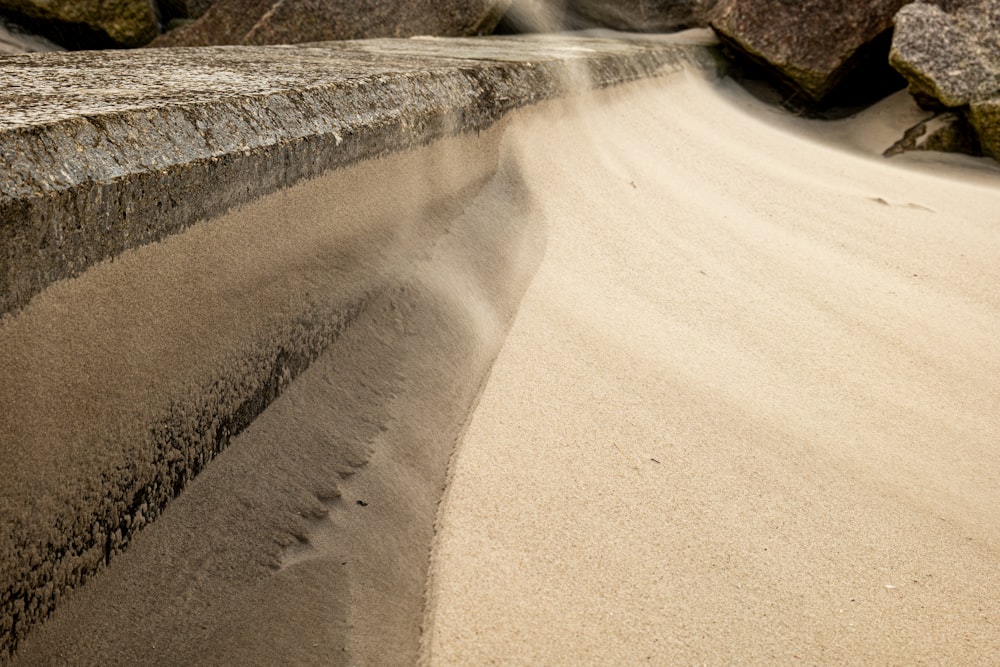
<point x="950" y="57"/>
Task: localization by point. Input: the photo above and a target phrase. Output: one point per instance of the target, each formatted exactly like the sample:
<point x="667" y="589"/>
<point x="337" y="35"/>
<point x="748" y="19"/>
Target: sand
<point x="306" y="541"/>
<point x="746" y="411"/>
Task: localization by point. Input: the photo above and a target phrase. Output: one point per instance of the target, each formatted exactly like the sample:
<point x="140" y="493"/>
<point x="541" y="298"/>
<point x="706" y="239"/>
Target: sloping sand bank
<point x="749" y="409"/>
<point x="306" y="541"/>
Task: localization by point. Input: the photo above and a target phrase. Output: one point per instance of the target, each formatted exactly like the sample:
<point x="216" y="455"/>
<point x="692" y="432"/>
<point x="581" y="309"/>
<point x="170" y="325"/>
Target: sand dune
<point x="748" y="412"/>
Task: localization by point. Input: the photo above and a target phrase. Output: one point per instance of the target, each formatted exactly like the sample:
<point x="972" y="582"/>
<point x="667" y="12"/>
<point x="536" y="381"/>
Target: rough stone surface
<point x="107" y="151"/>
<point x="984" y="116"/>
<point x="813" y="45"/>
<point x="262" y="22"/>
<point x="643" y="15"/>
<point x="88" y="23"/>
<point x="953" y="58"/>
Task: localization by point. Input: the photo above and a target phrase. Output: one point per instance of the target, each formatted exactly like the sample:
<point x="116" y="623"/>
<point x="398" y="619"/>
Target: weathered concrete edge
<point x="55" y="230"/>
<point x="190" y="435"/>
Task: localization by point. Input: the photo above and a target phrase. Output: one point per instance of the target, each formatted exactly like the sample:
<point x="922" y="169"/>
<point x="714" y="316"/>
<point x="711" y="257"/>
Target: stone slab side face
<point x="984" y="116"/>
<point x="951" y="59"/>
<point x="109" y="151"/>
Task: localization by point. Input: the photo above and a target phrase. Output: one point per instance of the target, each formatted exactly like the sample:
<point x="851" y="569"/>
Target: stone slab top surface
<point x="43" y="88"/>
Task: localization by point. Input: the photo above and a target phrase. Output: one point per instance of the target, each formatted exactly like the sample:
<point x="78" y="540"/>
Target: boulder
<point x="88" y="23"/>
<point x="14" y="39"/>
<point x="984" y="116"/>
<point x="642" y="15"/>
<point x="951" y="59"/>
<point x="278" y="22"/>
<point x="184" y="9"/>
<point x="812" y="46"/>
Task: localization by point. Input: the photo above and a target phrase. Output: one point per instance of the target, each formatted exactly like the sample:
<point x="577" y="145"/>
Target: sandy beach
<point x="700" y="382"/>
<point x="748" y="411"/>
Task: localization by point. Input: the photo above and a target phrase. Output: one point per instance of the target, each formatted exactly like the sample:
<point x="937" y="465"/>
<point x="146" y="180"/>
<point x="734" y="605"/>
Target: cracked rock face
<point x="88" y="23"/>
<point x="951" y="59"/>
<point x="262" y="22"/>
<point x="644" y="15"/>
<point x="812" y="45"/>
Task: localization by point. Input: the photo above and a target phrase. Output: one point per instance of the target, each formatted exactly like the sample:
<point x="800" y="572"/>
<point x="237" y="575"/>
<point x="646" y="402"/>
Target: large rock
<point x="643" y="15"/>
<point x="88" y="23"/>
<point x="262" y="22"/>
<point x="814" y="46"/>
<point x="952" y="59"/>
<point x="984" y="116"/>
<point x="14" y="39"/>
<point x="186" y="9"/>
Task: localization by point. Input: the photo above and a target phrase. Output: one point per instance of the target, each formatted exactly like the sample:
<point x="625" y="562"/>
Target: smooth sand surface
<point x="749" y="409"/>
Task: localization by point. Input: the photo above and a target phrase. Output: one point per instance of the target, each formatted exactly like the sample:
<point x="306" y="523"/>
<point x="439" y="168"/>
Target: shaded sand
<point x="306" y="541"/>
<point x="749" y="409"/>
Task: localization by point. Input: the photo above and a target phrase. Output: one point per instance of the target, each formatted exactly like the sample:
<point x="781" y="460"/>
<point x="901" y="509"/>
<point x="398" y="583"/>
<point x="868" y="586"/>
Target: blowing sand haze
<point x="748" y="410"/>
<point x="718" y="386"/>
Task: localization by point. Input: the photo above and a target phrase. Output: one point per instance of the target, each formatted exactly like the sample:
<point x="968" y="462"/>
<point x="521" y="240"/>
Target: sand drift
<point x="748" y="411"/>
<point x="699" y="383"/>
<point x="173" y="260"/>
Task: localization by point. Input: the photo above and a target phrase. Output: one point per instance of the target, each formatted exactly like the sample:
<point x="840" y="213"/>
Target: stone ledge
<point x="107" y="151"/>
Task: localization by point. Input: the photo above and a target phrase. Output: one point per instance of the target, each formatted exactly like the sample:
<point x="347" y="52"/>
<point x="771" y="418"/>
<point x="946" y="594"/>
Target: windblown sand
<point x="747" y="410"/>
